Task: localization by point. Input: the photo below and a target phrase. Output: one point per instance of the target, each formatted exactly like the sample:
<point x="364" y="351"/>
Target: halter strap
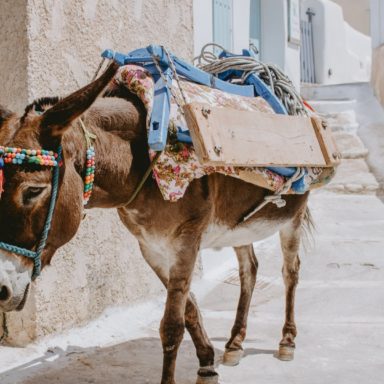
<point x="54" y="160"/>
<point x="36" y="255"/>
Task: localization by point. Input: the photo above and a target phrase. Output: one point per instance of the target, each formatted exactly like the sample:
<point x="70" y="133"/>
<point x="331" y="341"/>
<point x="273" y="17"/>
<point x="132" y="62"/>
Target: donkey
<point x="170" y="235"/>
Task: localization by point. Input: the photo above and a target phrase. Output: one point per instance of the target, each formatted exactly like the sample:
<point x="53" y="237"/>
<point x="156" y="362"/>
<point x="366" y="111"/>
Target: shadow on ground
<point x="136" y="361"/>
<point x="247" y="351"/>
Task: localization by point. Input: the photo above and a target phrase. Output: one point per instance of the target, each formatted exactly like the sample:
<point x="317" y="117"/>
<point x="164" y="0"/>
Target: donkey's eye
<point x="32" y="192"/>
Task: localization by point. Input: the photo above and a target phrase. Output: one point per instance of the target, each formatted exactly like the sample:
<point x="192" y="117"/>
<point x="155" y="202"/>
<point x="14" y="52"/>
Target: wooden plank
<point x="254" y="178"/>
<point x="228" y="136"/>
<point x="204" y="141"/>
<point x="327" y="143"/>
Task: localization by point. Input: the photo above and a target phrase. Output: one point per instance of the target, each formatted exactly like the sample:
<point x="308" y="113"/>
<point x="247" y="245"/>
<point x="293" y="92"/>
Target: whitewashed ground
<point x="340" y="306"/>
<point x="340" y="316"/>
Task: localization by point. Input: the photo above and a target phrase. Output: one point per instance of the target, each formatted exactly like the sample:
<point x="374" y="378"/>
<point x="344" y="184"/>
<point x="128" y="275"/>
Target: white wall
<point x="241" y="15"/>
<point x="274" y="32"/>
<point x="377" y="31"/>
<point x="274" y="39"/>
<point x="377" y="22"/>
<point x="202" y="24"/>
<point x="342" y="54"/>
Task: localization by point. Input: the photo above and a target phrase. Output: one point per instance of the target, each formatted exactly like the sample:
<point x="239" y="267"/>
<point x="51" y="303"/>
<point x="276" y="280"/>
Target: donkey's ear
<point x="56" y="120"/>
<point x="4" y="114"/>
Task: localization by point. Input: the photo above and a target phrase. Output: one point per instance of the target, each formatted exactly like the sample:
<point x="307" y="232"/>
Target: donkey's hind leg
<point x="247" y="271"/>
<point x="290" y="243"/>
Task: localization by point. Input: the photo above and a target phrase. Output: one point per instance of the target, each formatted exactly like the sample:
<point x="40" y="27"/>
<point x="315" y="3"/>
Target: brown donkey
<point x="170" y="234"/>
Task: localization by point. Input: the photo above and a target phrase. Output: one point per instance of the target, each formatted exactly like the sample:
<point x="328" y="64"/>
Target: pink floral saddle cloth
<point x="178" y="165"/>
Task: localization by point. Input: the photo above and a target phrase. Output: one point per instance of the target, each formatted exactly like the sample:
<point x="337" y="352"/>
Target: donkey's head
<point x="28" y="187"/>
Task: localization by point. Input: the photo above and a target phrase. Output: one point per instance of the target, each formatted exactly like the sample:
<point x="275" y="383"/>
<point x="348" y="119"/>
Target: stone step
<point x="332" y="106"/>
<point x="353" y="176"/>
<point x="334" y="92"/>
<point x="350" y="145"/>
<point x="341" y="121"/>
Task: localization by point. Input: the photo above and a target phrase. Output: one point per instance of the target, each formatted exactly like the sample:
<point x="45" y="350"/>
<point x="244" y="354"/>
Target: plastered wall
<point x="357" y="14"/>
<point x="66" y="37"/>
<point x="342" y="54"/>
<point x="275" y="47"/>
<point x="13" y="54"/>
<point x="377" y="22"/>
<point x="52" y="47"/>
<point x="378" y="73"/>
<point x="274" y="39"/>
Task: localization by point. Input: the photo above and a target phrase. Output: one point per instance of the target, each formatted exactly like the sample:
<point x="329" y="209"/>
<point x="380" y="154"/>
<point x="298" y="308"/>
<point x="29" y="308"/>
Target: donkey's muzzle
<point x="5" y="293"/>
<point x="15" y="279"/>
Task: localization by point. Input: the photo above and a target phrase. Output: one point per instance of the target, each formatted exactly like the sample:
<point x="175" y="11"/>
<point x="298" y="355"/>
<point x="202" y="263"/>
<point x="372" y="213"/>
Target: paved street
<point x="339" y="309"/>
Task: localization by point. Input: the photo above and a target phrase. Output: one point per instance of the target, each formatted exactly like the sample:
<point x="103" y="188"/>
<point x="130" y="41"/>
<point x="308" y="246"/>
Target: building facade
<point x="357" y="13"/>
<point x="341" y="53"/>
<point x="52" y="47"/>
<point x="266" y="24"/>
<point x="377" y="31"/>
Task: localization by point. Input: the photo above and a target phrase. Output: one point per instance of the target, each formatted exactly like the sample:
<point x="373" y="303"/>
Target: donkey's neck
<point x="121" y="155"/>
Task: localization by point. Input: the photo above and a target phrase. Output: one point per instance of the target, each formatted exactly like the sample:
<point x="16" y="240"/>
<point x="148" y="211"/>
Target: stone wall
<point x="13" y="54"/>
<point x="66" y="37"/>
<point x="52" y="47"/>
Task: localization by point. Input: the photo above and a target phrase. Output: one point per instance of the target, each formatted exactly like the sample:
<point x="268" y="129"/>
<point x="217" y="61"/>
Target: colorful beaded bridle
<point x="44" y="158"/>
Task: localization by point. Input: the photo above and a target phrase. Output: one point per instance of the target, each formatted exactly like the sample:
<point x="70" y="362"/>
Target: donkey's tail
<point x="308" y="228"/>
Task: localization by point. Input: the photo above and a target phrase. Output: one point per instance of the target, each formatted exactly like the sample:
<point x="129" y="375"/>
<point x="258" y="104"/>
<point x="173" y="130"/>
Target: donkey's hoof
<point x="286" y="353"/>
<point x="207" y="378"/>
<point x="232" y="357"/>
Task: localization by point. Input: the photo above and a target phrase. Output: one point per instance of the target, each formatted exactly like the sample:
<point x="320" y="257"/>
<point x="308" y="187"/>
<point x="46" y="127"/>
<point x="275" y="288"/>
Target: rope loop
<point x="276" y="199"/>
<point x="89" y="136"/>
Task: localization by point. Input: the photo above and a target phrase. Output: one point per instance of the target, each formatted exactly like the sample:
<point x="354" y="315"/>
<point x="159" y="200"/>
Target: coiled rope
<point x="271" y="75"/>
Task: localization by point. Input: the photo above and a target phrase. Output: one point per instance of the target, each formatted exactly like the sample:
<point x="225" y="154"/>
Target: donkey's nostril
<point x="5" y="293"/>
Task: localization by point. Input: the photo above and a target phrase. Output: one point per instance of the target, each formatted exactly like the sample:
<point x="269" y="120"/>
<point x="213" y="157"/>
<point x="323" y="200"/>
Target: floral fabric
<point x="178" y="165"/>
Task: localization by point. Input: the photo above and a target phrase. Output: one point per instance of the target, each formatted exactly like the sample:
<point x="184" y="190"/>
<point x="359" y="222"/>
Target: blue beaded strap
<point x="36" y="255"/>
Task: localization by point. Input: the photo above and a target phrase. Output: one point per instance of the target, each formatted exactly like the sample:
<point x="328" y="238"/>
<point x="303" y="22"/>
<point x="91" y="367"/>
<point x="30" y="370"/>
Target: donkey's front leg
<point x="247" y="271"/>
<point x="290" y="244"/>
<point x="172" y="325"/>
<point x="204" y="348"/>
<point x="193" y="321"/>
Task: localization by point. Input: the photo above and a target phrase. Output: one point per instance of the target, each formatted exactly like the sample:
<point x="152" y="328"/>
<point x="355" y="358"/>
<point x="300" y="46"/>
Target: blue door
<point x="223" y="23"/>
<point x="254" y="25"/>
